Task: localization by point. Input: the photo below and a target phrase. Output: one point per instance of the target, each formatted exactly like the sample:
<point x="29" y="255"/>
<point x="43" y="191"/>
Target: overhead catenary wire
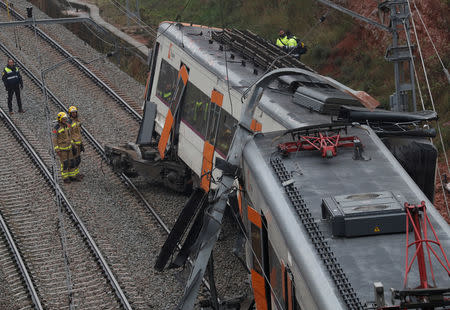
<point x="226" y="60"/>
<point x="408" y="42"/>
<point x="257" y="260"/>
<point x="431" y="41"/>
<point x="176" y="19"/>
<point x="423" y="107"/>
<point x="429" y="88"/>
<point x="134" y="18"/>
<point x="105" y="41"/>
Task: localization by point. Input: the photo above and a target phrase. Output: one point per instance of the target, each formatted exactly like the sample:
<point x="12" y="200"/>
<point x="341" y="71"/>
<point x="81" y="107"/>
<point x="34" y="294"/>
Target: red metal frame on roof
<point x="413" y="217"/>
<point x="327" y="145"/>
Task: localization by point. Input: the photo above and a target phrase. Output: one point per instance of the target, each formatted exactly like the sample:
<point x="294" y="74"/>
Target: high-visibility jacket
<point x="62" y="139"/>
<point x="199" y="105"/>
<point x="75" y="125"/>
<point x="281" y="42"/>
<point x="165" y="95"/>
<point x="11" y="77"/>
<point x="292" y="41"/>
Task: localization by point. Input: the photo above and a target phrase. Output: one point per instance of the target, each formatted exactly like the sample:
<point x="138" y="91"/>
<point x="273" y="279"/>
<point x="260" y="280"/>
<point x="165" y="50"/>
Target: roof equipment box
<point x="365" y="214"/>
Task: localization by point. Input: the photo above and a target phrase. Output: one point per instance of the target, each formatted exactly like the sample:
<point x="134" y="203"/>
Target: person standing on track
<point x="62" y="141"/>
<point x="77" y="143"/>
<point x="13" y="83"/>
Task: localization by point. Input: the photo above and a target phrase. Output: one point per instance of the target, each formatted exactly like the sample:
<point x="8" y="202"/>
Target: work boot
<point x="11" y="112"/>
<point x="66" y="180"/>
<point x="21" y="111"/>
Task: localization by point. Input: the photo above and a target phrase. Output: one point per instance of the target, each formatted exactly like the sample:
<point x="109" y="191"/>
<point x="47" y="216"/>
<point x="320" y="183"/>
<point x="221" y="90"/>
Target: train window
<point x="195" y="108"/>
<point x="213" y="123"/>
<point x="276" y="280"/>
<point x="256" y="246"/>
<point x="178" y="92"/>
<point x="167" y="81"/>
<point x="227" y="127"/>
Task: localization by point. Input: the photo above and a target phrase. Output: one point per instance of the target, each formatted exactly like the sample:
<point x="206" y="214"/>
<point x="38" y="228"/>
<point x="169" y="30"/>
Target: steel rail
<point x="49" y="177"/>
<point x="20" y="263"/>
<point x="80" y="65"/>
<point x="97" y="146"/>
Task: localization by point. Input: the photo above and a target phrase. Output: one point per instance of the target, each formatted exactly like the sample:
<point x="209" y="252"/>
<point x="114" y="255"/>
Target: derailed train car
<point x="320" y="195"/>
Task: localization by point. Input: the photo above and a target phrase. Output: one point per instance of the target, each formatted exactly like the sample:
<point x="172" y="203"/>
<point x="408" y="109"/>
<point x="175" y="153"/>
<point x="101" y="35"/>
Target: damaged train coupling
<point x="135" y="160"/>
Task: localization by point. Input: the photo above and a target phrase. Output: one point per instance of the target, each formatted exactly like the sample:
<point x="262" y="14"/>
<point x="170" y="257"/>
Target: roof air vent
<point x="365" y="214"/>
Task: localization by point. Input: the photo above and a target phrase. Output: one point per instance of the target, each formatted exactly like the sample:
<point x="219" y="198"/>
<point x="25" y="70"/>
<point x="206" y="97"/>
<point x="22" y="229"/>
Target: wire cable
<point x="431" y="40"/>
<point x="245" y="93"/>
<point x="225" y="56"/>
<point x="429" y="88"/>
<point x="423" y="107"/>
<point x="132" y="48"/>
<point x="408" y="41"/>
<point x="176" y="18"/>
<point x="134" y="18"/>
<point x="257" y="260"/>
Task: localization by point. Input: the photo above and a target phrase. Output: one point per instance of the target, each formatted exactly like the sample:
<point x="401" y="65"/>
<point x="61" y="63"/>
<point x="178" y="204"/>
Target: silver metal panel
<point x="266" y="193"/>
<point x="364" y="259"/>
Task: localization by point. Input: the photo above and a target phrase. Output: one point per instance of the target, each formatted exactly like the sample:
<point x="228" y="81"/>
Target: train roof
<point x="295" y="96"/>
<point x="374" y="183"/>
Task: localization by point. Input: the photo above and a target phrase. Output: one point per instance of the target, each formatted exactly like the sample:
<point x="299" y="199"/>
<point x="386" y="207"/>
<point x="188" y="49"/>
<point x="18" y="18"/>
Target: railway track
<point x="63" y="259"/>
<point x="15" y="277"/>
<point x="99" y="206"/>
<point x="63" y="52"/>
<point x="94" y="197"/>
<point x="75" y="84"/>
<point x="164" y="205"/>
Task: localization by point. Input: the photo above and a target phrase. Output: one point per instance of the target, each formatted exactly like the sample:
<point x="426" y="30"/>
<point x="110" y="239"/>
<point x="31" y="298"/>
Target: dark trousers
<point x="11" y="91"/>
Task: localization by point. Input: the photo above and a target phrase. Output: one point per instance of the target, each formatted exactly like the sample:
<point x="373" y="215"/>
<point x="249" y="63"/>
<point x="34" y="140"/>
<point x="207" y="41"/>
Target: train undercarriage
<point x="134" y="160"/>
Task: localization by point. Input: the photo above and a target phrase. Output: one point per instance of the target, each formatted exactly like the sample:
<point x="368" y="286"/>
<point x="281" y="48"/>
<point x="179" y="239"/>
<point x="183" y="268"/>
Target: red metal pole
<point x="419" y="248"/>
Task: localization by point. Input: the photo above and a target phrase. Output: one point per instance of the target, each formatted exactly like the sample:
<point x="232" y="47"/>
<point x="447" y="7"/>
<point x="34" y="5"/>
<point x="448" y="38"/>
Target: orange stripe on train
<point x="165" y="134"/>
<point x="208" y="154"/>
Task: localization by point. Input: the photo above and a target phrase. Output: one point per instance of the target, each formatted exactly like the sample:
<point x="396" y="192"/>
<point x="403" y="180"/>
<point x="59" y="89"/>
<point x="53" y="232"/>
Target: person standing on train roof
<point x="62" y="141"/>
<point x="282" y="40"/>
<point x="13" y="84"/>
<point x="77" y="144"/>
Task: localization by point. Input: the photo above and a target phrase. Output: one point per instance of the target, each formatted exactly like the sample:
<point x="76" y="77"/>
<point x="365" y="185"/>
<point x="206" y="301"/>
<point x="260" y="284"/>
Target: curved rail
<point x="48" y="176"/>
<point x="97" y="146"/>
<point x="80" y="65"/>
<point x="21" y="264"/>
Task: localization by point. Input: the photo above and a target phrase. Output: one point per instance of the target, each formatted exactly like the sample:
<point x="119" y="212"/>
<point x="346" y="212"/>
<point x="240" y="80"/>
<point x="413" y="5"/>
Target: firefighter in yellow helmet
<point x="62" y="142"/>
<point x="77" y="143"/>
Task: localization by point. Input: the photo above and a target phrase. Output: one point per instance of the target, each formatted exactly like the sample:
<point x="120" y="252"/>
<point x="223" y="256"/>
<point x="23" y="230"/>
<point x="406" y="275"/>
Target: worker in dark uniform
<point x="13" y="83"/>
<point x="62" y="142"/>
<point x="77" y="144"/>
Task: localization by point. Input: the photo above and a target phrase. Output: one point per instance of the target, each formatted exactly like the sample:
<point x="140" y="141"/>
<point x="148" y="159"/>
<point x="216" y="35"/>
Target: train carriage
<point x="323" y="226"/>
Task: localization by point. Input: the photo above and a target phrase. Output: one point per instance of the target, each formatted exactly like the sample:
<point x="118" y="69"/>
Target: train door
<point x="151" y="73"/>
<point x="212" y="129"/>
<point x="260" y="262"/>
<point x="172" y="117"/>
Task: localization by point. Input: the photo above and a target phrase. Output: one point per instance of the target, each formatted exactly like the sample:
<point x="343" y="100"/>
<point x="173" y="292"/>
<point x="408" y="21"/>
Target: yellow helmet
<point x="61" y="115"/>
<point x="73" y="109"/>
